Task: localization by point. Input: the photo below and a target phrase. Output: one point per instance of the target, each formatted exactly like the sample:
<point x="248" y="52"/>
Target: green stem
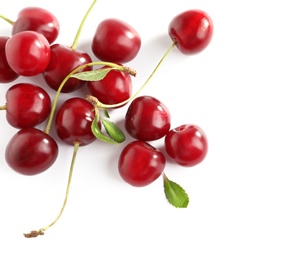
<point x="101" y="105"/>
<point x="76" y="39"/>
<point x="6" y="19"/>
<point x="41" y="231"/>
<point x="116" y="66"/>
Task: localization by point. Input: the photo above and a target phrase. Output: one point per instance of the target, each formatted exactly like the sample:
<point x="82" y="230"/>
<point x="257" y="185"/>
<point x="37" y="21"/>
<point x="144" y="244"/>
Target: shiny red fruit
<point x="39" y="20"/>
<point x="6" y="73"/>
<point x="114" y="88"/>
<point x="147" y="119"/>
<point x="73" y="121"/>
<point x="31" y="151"/>
<point x="63" y="61"/>
<point x="140" y="163"/>
<point x="27" y="105"/>
<point x="187" y="144"/>
<point x="28" y="53"/>
<point x="191" y="30"/>
<point x="115" y="41"/>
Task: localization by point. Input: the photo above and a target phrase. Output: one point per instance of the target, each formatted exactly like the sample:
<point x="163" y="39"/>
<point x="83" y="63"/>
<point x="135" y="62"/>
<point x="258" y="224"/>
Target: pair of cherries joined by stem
<point x="78" y="122"/>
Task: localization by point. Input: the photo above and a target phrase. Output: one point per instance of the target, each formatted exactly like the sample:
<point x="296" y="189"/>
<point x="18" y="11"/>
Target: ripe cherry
<point x="191" y="30"/>
<point x="27" y="105"/>
<point x="114" y="88"/>
<point x="31" y="151"/>
<point x="73" y="121"/>
<point x="28" y="53"/>
<point x="65" y="59"/>
<point x="115" y="41"/>
<point x="147" y="119"/>
<point x="140" y="163"/>
<point x="187" y="144"/>
<point x="6" y="73"/>
<point x="39" y="20"/>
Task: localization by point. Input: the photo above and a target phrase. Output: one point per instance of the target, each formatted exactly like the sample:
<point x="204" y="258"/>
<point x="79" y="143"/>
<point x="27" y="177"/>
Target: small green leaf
<point x="113" y="131"/>
<point x="96" y="130"/>
<point x="106" y="114"/>
<point x="93" y="75"/>
<point x="175" y="194"/>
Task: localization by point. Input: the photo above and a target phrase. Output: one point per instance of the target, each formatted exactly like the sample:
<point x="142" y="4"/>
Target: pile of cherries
<point x="31" y="50"/>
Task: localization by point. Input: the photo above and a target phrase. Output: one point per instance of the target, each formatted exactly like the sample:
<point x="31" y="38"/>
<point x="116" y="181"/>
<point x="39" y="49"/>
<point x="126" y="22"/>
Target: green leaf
<point x="96" y="130"/>
<point x="93" y="75"/>
<point x="113" y="131"/>
<point x="175" y="194"/>
<point x="106" y="114"/>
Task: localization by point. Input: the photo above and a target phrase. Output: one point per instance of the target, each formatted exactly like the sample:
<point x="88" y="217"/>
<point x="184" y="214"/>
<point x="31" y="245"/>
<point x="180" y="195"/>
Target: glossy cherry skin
<point x="114" y="88"/>
<point x="191" y="30"/>
<point x="147" y="119"/>
<point x="27" y="105"/>
<point x="63" y="61"/>
<point x="31" y="151"/>
<point x="39" y="20"/>
<point x="187" y="144"/>
<point x="115" y="41"/>
<point x="28" y="53"/>
<point x="73" y="121"/>
<point x="6" y="73"/>
<point x="140" y="163"/>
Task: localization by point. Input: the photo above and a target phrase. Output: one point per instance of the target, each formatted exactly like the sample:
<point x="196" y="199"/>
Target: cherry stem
<point x="41" y="231"/>
<point x="6" y="19"/>
<point x="3" y="107"/>
<point x="77" y="36"/>
<point x="56" y="97"/>
<point x="103" y="106"/>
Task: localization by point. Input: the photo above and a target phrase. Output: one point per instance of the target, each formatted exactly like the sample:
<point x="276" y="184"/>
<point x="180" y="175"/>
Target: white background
<point x="246" y="90"/>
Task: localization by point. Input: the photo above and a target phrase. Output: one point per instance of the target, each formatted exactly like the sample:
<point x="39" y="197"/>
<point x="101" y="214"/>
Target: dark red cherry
<point x="140" y="163"/>
<point x="28" y="53"/>
<point x="186" y="144"/>
<point x="39" y="20"/>
<point x="73" y="121"/>
<point x="147" y="119"/>
<point x="191" y="30"/>
<point x="27" y="105"/>
<point x="114" y="88"/>
<point x="6" y="73"/>
<point x="115" y="41"/>
<point x="64" y="60"/>
<point x="31" y="151"/>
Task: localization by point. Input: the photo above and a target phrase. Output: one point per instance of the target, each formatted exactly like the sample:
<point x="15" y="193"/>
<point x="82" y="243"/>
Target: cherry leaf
<point x="113" y="131"/>
<point x="96" y="130"/>
<point x="175" y="194"/>
<point x="93" y="75"/>
<point x="106" y="114"/>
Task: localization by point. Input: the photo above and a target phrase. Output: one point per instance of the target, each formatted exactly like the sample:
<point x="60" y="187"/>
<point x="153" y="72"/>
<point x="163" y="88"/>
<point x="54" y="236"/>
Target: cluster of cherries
<point x="30" y="51"/>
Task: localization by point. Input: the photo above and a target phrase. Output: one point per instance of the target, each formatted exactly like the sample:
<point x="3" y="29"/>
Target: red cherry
<point x="115" y="41"/>
<point x="39" y="20"/>
<point x="28" y="53"/>
<point x="114" y="88"/>
<point x="191" y="30"/>
<point x="140" y="163"/>
<point x="186" y="144"/>
<point x="27" y="105"/>
<point x="64" y="60"/>
<point x="147" y="119"/>
<point x="6" y="73"/>
<point x="31" y="151"/>
<point x="73" y="121"/>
